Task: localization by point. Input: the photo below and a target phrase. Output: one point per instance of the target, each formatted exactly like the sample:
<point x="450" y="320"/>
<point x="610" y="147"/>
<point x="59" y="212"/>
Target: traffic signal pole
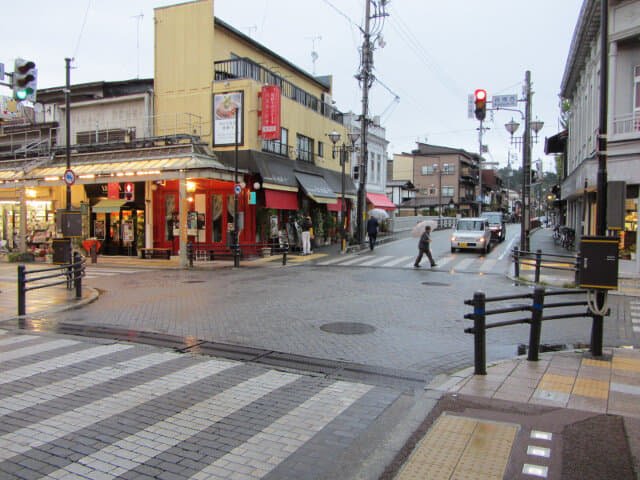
<point x="480" y="168"/>
<point x="67" y="101"/>
<point x="526" y="167"/>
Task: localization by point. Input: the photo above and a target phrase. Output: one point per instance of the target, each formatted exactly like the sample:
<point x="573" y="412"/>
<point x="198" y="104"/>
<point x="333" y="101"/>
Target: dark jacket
<point x="425" y="239"/>
<point x="306" y="225"/>
<point x="372" y="226"/>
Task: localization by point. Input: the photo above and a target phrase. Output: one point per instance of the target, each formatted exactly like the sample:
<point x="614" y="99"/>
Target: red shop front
<point x="210" y="213"/>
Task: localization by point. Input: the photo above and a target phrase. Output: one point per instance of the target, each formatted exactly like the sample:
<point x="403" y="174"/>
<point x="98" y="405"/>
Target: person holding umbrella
<point x="425" y="247"/>
<point x="372" y="231"/>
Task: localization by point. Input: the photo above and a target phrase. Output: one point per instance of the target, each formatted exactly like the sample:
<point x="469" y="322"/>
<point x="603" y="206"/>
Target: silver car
<point x="471" y="233"/>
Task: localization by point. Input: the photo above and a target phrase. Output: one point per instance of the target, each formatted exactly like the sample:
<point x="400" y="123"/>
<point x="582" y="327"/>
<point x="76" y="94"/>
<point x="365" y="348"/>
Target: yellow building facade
<point x="210" y="71"/>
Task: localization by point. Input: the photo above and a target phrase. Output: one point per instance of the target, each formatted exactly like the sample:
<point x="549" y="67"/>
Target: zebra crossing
<point x="82" y="409"/>
<point x="634" y="308"/>
<point x="456" y="262"/>
<point x="103" y="272"/>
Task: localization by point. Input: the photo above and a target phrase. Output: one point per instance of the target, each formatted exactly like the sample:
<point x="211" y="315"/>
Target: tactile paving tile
<point x="622" y="363"/>
<point x="556" y="383"/>
<point x="461" y="448"/>
<point x="591" y="388"/>
<point x="596" y="363"/>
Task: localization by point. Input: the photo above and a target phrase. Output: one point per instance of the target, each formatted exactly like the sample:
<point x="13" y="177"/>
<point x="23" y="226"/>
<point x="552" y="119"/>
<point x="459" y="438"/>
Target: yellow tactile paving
<point x="591" y="388"/>
<point x="596" y="363"/>
<point x="530" y="265"/>
<point x="461" y="448"/>
<point x="622" y="363"/>
<point x="556" y="383"/>
<point x="304" y="258"/>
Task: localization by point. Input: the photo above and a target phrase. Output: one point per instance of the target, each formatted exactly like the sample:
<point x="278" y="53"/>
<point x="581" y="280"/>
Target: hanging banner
<point x="270" y="112"/>
<point x="113" y="191"/>
<point x="225" y="106"/>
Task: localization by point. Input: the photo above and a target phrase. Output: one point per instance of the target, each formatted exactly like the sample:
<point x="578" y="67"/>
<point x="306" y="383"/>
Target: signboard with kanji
<point x="270" y="128"/>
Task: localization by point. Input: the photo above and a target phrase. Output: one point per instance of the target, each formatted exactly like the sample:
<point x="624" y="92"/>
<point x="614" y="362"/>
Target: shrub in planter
<point x="18" y="257"/>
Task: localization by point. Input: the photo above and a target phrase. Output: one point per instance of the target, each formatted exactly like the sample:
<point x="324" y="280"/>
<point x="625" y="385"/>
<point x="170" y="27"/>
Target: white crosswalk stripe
<point x="16" y="339"/>
<point x="635" y="316"/>
<point x="488" y="264"/>
<point x="464" y="264"/>
<point x="396" y="261"/>
<point x="59" y="362"/>
<point x="34" y="349"/>
<point x="80" y="382"/>
<point x="58" y="426"/>
<point x="292" y="430"/>
<point x="101" y="272"/>
<point x="375" y="260"/>
<point x="163" y="435"/>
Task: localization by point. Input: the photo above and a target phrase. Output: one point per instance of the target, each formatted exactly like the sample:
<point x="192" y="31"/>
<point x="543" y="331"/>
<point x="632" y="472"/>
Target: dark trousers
<point x="372" y="240"/>
<point x="426" y="252"/>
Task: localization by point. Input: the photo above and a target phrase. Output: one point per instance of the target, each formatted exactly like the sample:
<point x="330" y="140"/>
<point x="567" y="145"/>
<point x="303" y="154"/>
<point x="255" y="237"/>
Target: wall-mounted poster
<point x="127" y="231"/>
<point x="98" y="229"/>
<point x="225" y="106"/>
<point x="192" y="223"/>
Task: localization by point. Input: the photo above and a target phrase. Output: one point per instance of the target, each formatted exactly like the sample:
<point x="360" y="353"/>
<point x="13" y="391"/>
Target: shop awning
<point x="108" y="206"/>
<point x="280" y="200"/>
<point x="316" y="188"/>
<point x="380" y="200"/>
<point x="335" y="207"/>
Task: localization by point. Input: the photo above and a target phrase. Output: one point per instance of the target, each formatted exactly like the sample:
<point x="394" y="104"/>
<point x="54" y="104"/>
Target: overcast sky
<point x="436" y="53"/>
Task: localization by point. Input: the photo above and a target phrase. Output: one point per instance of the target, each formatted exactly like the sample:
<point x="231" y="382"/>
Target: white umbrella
<point x="378" y="213"/>
<point x="418" y="230"/>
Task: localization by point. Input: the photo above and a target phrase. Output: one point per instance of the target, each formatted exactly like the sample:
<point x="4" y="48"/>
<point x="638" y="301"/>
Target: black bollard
<point x="536" y="323"/>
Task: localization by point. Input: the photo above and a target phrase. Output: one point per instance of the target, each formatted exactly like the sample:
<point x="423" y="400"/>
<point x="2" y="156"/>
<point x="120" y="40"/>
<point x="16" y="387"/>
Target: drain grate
<point x="436" y="284"/>
<point x="193" y="281"/>
<point x="348" y="328"/>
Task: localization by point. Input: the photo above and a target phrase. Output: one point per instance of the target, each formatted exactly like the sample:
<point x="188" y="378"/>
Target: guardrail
<point x="72" y="274"/>
<point x="536" y="308"/>
<point x="541" y="260"/>
<point x="209" y="251"/>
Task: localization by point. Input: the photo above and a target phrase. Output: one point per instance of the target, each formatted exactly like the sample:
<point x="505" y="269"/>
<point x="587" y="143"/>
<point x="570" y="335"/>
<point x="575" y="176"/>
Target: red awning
<point x="335" y="207"/>
<point x="280" y="200"/>
<point x="380" y="200"/>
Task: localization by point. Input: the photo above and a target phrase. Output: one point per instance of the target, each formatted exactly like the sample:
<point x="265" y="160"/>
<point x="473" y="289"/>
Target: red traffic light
<point x="129" y="192"/>
<point x="128" y="187"/>
<point x="481" y="104"/>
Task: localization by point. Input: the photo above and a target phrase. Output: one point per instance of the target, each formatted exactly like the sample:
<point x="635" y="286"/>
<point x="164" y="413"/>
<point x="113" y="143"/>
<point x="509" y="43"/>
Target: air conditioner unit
<point x="326" y="98"/>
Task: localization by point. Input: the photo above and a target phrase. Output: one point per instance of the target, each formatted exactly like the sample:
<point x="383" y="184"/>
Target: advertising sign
<point x="225" y="106"/>
<point x="113" y="191"/>
<point x="270" y="112"/>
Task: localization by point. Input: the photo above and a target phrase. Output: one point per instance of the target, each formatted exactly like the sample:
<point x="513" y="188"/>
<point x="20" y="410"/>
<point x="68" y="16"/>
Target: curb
<point x="93" y="295"/>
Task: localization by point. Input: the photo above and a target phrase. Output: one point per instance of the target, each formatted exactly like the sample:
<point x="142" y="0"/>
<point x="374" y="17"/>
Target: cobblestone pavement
<point x="74" y="408"/>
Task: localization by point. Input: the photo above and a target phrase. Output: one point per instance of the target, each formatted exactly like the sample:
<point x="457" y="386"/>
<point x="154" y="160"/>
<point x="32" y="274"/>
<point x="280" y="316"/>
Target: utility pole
<point x="480" y="168"/>
<point x="365" y="76"/>
<point x="67" y="101"/>
<point x="526" y="167"/>
<point x="367" y="80"/>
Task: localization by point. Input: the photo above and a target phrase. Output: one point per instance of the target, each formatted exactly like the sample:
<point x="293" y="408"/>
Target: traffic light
<point x="481" y="104"/>
<point x="129" y="192"/>
<point x="25" y="79"/>
<point x="534" y="177"/>
<point x="356" y="172"/>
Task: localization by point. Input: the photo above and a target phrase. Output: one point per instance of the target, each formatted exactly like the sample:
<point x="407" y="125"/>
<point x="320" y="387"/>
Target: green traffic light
<point x="21" y="94"/>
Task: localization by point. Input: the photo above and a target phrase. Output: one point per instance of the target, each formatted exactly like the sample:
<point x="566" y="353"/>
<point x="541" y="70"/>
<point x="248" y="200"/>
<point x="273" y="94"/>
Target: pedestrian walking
<point x="425" y="247"/>
<point x="372" y="231"/>
<point x="307" y="233"/>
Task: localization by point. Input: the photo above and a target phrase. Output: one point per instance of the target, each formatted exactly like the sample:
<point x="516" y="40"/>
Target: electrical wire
<point x="84" y="22"/>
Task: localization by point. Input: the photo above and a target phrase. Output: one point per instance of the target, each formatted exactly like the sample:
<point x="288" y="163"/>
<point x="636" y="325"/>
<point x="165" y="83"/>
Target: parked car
<point x="471" y="233"/>
<point x="497" y="225"/>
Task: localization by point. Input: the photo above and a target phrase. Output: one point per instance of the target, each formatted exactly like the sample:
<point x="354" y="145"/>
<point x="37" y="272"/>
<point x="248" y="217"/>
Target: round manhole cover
<point x="193" y="281"/>
<point x="436" y="284"/>
<point x="347" y="328"/>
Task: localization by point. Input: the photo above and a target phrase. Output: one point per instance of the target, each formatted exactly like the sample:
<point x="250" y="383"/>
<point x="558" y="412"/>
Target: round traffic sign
<point x="69" y="177"/>
<point x="238" y="189"/>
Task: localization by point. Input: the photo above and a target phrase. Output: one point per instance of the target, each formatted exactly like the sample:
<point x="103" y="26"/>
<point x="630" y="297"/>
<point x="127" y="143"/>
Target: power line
<point x="341" y="13"/>
<point x="84" y="22"/>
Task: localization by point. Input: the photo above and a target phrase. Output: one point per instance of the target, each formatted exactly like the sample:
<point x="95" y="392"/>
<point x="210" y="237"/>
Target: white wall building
<point x="581" y="86"/>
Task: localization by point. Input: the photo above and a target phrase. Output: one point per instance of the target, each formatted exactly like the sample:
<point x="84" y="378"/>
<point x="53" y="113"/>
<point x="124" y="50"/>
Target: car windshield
<point x="494" y="219"/>
<point x="471" y="225"/>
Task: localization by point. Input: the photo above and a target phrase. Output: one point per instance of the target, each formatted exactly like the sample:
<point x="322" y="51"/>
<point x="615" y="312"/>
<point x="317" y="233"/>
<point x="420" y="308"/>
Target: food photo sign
<point x="225" y="106"/>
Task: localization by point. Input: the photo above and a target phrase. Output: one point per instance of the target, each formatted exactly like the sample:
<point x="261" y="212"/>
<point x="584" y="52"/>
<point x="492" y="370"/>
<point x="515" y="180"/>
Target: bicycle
<point x="557" y="236"/>
<point x="568" y="238"/>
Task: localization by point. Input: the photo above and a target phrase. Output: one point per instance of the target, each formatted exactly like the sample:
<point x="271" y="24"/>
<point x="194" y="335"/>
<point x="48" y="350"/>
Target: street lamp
<point x="343" y="149"/>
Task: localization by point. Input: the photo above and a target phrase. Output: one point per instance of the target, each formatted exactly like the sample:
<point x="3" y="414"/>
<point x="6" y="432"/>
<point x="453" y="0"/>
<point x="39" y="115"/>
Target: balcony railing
<point x="241" y="68"/>
<point x="626" y="124"/>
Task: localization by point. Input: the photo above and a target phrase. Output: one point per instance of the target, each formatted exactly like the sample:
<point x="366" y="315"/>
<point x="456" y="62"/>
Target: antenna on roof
<point x="314" y="54"/>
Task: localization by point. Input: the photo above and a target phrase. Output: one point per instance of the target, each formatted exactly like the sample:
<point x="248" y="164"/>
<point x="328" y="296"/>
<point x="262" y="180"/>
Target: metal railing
<point x="536" y="308"/>
<point x="72" y="276"/>
<point x="539" y="260"/>
<point x="212" y="251"/>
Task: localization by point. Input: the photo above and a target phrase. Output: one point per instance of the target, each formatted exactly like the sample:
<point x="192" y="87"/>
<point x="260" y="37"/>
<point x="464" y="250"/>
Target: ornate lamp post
<point x="343" y="150"/>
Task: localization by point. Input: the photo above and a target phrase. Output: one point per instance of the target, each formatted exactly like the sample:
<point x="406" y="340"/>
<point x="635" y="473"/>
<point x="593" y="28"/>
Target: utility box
<point x="599" y="267"/>
<point x="69" y="223"/>
<point x="61" y="251"/>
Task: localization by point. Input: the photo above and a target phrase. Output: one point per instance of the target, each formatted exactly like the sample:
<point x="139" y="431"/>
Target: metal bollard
<point x="536" y="323"/>
<point x="597" y="327"/>
<point x="77" y="274"/>
<point x="578" y="266"/>
<point x="284" y="253"/>
<point x="516" y="262"/>
<point x="479" y="333"/>
<point x="190" y="253"/>
<point x="94" y="253"/>
<point x="538" y="262"/>
<point x="21" y="290"/>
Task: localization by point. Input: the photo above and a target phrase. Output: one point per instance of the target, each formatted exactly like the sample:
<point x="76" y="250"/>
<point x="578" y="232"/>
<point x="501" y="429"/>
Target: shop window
<point x="169" y="210"/>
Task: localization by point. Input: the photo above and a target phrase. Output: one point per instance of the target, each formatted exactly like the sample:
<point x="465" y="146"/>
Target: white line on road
<point x="34" y="349"/>
<point x="397" y="261"/>
<point x="375" y="260"/>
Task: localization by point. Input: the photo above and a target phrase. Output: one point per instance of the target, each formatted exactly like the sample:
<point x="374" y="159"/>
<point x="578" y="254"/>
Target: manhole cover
<point x="193" y="281"/>
<point x="436" y="284"/>
<point x="347" y="328"/>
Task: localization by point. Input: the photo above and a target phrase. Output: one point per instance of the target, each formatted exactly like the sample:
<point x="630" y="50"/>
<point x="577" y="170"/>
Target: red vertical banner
<point x="113" y="191"/>
<point x="270" y="112"/>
